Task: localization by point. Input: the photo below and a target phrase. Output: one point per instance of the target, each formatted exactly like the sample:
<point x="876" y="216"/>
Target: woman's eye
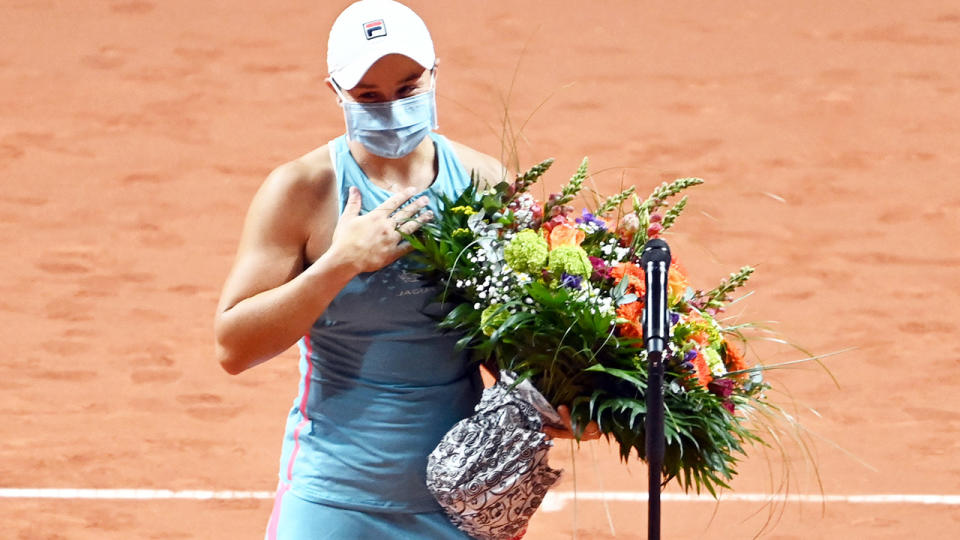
<point x="406" y="90"/>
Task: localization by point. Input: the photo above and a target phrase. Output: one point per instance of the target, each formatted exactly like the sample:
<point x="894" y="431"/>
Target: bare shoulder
<point x="304" y="179"/>
<point x="293" y="203"/>
<point x="292" y="198"/>
<point x="487" y="167"/>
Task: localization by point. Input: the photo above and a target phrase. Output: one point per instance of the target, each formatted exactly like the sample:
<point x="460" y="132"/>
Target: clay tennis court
<point x="134" y="133"/>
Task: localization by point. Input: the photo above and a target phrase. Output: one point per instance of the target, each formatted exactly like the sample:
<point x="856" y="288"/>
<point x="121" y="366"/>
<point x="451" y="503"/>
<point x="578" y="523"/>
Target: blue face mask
<point x="390" y="129"/>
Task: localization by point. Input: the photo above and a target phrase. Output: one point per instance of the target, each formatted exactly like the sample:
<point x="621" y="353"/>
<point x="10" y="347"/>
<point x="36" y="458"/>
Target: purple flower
<point x="674" y="317"/>
<point x="691" y="354"/>
<point x="570" y="281"/>
<point x="590" y="218"/>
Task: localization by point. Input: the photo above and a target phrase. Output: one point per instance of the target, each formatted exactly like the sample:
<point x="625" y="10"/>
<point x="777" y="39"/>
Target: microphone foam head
<point x="655" y="250"/>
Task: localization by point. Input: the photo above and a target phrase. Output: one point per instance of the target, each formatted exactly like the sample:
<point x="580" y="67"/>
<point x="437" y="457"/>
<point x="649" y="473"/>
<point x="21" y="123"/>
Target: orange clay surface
<point x="134" y="133"/>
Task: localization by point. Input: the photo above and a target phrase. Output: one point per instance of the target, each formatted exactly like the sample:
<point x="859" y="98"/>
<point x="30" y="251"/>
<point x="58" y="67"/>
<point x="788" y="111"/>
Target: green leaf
<point x="632" y="377"/>
<point x="619" y="290"/>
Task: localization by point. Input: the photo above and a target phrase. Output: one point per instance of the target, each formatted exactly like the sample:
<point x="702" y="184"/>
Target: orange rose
<point x="565" y="235"/>
<point x="676" y="282"/>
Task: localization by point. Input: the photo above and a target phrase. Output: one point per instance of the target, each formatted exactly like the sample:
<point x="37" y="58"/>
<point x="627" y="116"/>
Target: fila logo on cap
<point x="374" y="29"/>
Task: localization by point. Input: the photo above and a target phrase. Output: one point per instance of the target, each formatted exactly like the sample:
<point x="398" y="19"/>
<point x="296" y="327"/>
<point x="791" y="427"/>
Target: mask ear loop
<point x="337" y="90"/>
<point x="433" y="88"/>
<point x="341" y="101"/>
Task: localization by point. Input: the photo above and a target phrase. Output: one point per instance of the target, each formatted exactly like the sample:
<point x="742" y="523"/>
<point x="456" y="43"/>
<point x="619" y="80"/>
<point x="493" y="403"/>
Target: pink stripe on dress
<point x="275" y="515"/>
<point x="303" y="407"/>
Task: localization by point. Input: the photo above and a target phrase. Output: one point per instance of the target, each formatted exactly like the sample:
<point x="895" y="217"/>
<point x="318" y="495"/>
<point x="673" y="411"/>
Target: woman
<point x="320" y="263"/>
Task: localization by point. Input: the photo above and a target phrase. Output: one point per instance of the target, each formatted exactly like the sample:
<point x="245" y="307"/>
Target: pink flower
<point x="600" y="269"/>
<point x="629" y="223"/>
<point x="553" y="222"/>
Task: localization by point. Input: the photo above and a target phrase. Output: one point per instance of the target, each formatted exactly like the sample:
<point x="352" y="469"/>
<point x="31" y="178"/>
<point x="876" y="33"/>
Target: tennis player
<point x="321" y="264"/>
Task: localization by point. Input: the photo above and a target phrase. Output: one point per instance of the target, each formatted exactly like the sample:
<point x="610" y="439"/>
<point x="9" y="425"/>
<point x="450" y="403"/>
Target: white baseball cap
<point x="371" y="29"/>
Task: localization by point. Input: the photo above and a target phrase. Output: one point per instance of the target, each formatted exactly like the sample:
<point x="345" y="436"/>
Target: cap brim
<point x="350" y="75"/>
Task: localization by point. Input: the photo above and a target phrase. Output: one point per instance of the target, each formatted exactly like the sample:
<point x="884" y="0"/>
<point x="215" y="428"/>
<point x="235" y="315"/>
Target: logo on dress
<point x="374" y="29"/>
<point x="409" y="277"/>
<point x="413" y="278"/>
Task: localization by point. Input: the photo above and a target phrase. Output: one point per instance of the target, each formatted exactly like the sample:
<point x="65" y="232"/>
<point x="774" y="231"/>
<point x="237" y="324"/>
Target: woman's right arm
<point x="269" y="300"/>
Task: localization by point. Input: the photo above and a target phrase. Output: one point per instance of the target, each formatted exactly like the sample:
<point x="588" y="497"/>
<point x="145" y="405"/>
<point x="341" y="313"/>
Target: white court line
<point x="115" y="494"/>
<point x="553" y="502"/>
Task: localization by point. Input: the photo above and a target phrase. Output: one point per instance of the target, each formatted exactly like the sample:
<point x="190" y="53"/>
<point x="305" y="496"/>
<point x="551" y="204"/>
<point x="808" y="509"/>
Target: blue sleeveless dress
<point x="379" y="386"/>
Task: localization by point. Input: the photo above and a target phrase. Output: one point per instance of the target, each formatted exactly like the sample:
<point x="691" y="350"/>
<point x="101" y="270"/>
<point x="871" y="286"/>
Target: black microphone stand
<point x="656" y="333"/>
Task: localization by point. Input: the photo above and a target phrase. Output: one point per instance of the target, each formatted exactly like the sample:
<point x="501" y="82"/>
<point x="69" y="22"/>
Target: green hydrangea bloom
<point x="714" y="361"/>
<point x="572" y="260"/>
<point x="492" y="317"/>
<point x="526" y="252"/>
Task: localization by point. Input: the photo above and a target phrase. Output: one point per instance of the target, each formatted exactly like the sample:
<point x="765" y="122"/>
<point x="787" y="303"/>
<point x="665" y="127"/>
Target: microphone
<point x="656" y="266"/>
<point x="656" y="331"/>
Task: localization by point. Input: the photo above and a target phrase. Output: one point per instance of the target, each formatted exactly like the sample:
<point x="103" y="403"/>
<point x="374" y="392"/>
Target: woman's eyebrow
<point x="412" y="77"/>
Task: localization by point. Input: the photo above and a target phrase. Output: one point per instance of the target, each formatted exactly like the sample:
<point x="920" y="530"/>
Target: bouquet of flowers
<point x="556" y="296"/>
